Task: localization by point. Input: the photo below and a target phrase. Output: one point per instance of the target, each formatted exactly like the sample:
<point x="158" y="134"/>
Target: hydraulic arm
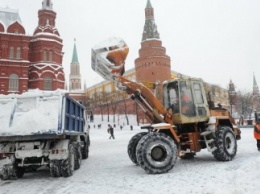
<point x="108" y="60"/>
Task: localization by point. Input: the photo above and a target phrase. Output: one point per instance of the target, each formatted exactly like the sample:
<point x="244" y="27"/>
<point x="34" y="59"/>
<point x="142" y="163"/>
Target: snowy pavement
<point x="108" y="170"/>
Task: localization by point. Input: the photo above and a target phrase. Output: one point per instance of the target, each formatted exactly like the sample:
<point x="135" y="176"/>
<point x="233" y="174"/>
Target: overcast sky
<point x="216" y="40"/>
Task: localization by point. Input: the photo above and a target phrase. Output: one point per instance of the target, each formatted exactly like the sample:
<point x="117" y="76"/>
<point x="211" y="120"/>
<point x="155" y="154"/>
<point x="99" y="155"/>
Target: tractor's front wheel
<point x="156" y="153"/>
<point x="225" y="143"/>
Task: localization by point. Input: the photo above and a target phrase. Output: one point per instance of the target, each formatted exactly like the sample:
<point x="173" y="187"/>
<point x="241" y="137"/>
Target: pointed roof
<point x="254" y="81"/>
<point x="150" y="28"/>
<point x="255" y="87"/>
<point x="75" y="54"/>
<point x="149" y="5"/>
<point x="9" y="16"/>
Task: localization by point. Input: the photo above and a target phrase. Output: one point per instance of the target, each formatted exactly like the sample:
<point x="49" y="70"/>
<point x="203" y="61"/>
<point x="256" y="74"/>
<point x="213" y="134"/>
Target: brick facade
<point x="30" y="62"/>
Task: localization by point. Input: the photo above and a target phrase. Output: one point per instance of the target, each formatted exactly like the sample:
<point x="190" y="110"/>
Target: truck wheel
<point x="225" y="143"/>
<point x="131" y="149"/>
<point x="78" y="156"/>
<point x="156" y="153"/>
<point x="55" y="168"/>
<point x="19" y="172"/>
<point x="11" y="171"/>
<point x="85" y="150"/>
<point x="68" y="165"/>
<point x="4" y="173"/>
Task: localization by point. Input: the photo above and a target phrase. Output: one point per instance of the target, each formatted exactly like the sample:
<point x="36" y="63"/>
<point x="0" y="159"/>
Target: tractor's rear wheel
<point x="225" y="143"/>
<point x="156" y="153"/>
<point x="131" y="149"/>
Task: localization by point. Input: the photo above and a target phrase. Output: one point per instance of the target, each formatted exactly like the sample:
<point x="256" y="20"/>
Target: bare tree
<point x="243" y="104"/>
<point x="98" y="101"/>
<point x="115" y="101"/>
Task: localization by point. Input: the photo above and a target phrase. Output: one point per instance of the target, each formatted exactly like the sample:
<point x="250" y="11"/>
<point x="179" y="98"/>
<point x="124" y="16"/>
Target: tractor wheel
<point x="225" y="143"/>
<point x="78" y="156"/>
<point x="55" y="168"/>
<point x="131" y="149"/>
<point x="156" y="153"/>
<point x="68" y="165"/>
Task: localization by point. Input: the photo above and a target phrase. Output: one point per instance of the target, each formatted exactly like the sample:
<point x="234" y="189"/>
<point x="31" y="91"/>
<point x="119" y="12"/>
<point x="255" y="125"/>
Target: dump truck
<point x="42" y="128"/>
<point x="180" y="126"/>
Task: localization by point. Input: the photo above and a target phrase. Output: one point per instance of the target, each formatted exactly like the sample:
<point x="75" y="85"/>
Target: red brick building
<point x="30" y="62"/>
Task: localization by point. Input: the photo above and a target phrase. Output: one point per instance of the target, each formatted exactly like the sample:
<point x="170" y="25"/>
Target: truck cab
<point x="186" y="99"/>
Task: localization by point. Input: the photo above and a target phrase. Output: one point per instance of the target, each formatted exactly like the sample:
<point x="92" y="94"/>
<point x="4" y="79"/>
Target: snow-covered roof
<point x="9" y="16"/>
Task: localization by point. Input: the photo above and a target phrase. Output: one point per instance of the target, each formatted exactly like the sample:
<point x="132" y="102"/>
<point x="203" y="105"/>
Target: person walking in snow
<point x="257" y="130"/>
<point x="111" y="131"/>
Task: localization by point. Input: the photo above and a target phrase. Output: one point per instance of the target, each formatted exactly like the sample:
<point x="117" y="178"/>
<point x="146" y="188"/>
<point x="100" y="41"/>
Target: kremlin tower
<point x="75" y="77"/>
<point x="152" y="65"/>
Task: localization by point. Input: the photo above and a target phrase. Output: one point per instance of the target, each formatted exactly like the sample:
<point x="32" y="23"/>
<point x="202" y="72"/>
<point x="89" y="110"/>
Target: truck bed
<point x="40" y="115"/>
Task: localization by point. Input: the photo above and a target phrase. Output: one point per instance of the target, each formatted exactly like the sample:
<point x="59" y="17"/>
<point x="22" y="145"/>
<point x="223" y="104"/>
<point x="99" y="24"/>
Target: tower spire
<point x="75" y="77"/>
<point x="75" y="53"/>
<point x="150" y="28"/>
<point x="254" y="81"/>
<point x="149" y="5"/>
<point x="47" y="4"/>
<point x="255" y="87"/>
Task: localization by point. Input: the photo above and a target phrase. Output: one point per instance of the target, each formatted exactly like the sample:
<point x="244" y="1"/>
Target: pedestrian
<point x="257" y="130"/>
<point x="131" y="127"/>
<point x="121" y="127"/>
<point x="111" y="131"/>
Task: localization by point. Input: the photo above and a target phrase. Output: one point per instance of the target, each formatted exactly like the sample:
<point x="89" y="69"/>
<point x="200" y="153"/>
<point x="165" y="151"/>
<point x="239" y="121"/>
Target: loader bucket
<point x="108" y="58"/>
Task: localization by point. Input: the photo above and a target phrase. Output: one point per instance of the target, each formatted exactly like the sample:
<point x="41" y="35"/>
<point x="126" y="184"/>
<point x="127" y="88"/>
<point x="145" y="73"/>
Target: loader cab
<point x="186" y="99"/>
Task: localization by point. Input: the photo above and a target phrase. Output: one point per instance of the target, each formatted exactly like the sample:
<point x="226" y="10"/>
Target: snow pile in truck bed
<point x="29" y="114"/>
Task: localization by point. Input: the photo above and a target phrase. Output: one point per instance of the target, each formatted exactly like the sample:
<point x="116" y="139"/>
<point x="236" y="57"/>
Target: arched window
<point x="47" y="85"/>
<point x="13" y="83"/>
<point x="44" y="56"/>
<point x="50" y="56"/>
<point x="18" y="53"/>
<point x="11" y="53"/>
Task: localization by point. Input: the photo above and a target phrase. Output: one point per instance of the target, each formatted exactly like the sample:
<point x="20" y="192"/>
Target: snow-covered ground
<point x="108" y="170"/>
